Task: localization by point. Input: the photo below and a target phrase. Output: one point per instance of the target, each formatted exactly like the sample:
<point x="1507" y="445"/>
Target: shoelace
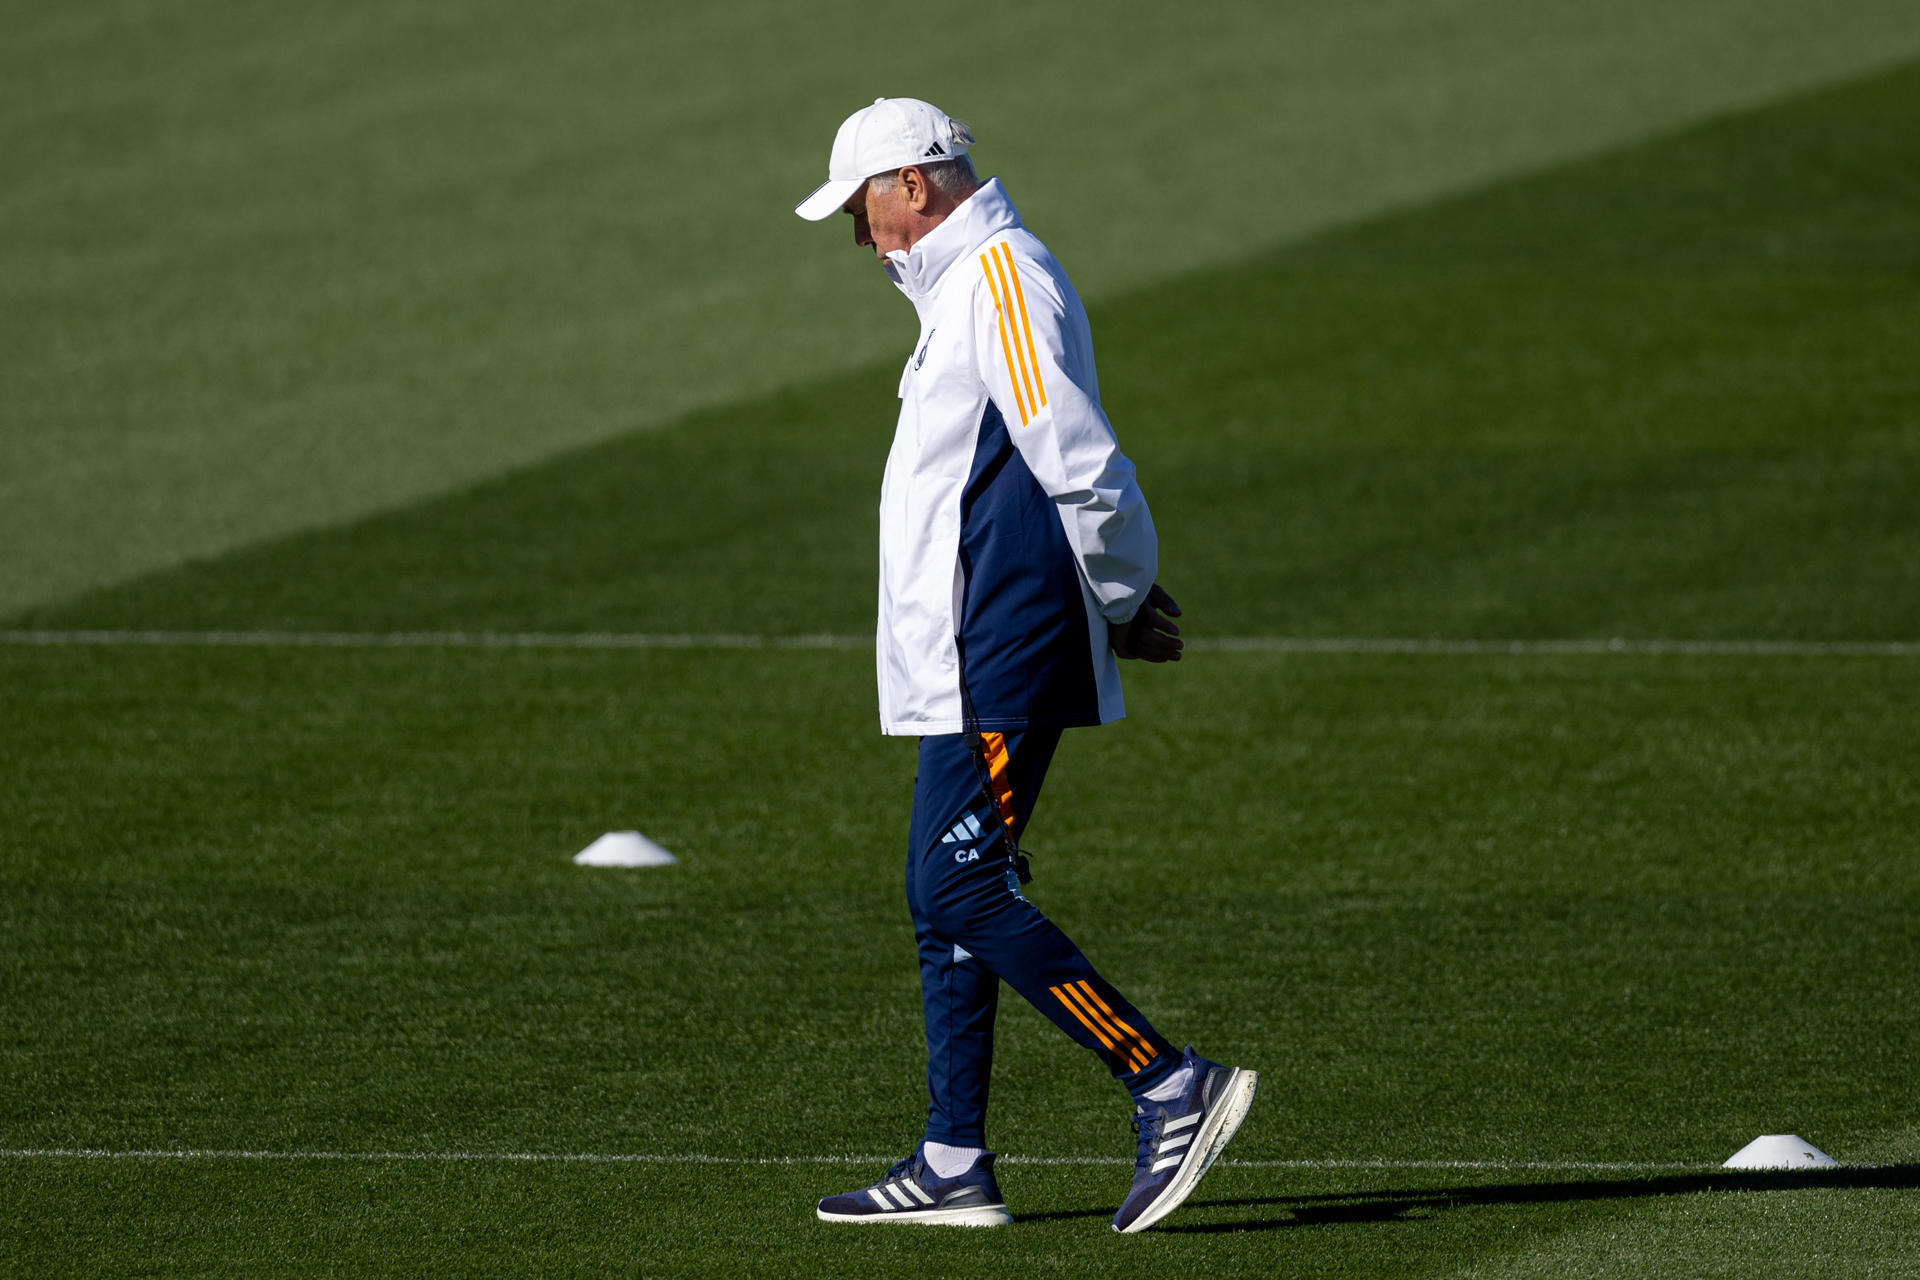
<point x="899" y="1170"/>
<point x="1148" y="1127"/>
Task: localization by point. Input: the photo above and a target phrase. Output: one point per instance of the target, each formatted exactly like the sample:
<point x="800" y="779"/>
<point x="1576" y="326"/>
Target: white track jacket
<point x="1011" y="527"/>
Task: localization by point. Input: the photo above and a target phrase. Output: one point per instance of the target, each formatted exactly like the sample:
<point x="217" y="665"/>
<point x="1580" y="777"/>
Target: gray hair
<point x="953" y="177"/>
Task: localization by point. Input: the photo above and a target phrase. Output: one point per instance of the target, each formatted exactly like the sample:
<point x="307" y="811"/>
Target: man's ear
<point x="913" y="186"/>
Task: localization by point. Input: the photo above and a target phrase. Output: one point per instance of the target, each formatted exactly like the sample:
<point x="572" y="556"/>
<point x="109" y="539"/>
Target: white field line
<point x="1199" y="644"/>
<point x="428" y="640"/>
<point x="1715" y="648"/>
<point x="544" y="1157"/>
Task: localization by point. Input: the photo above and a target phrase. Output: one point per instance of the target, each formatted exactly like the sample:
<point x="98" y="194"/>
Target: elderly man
<point x="1017" y="559"/>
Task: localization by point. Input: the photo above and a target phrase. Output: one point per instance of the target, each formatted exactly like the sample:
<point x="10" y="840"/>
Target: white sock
<point x="950" y="1162"/>
<point x="1170" y="1088"/>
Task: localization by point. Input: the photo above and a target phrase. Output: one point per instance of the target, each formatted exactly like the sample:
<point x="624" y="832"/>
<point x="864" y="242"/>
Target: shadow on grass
<point x="1338" y="1207"/>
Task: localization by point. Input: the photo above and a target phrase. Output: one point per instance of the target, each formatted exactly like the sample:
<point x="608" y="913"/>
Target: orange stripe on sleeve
<point x="1021" y="294"/>
<point x="1006" y="347"/>
<point x="1019" y="354"/>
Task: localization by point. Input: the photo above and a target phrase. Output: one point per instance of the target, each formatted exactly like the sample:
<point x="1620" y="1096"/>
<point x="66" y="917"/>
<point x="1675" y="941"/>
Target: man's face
<point x="881" y="219"/>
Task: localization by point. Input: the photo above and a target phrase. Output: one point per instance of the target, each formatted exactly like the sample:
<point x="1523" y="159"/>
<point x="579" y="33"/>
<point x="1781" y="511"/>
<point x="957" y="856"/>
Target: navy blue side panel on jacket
<point x="1024" y="651"/>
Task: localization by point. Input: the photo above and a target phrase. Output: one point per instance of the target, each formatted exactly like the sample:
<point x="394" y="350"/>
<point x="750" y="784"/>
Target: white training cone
<point x="624" y="849"/>
<point x="1780" y="1151"/>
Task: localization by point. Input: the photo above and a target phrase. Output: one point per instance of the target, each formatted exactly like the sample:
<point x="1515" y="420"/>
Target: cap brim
<point x="828" y="199"/>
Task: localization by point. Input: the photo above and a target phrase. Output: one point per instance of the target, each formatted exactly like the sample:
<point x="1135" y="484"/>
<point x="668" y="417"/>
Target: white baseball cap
<point x="891" y="134"/>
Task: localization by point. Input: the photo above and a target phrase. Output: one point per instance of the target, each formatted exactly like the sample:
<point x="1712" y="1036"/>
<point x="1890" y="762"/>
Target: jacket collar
<point x="981" y="216"/>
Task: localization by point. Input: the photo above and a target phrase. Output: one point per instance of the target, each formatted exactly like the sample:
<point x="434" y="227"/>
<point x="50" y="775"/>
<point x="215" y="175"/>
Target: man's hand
<point x="1151" y="636"/>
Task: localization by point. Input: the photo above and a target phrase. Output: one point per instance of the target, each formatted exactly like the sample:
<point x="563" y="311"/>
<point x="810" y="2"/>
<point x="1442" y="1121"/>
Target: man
<point x="1017" y="558"/>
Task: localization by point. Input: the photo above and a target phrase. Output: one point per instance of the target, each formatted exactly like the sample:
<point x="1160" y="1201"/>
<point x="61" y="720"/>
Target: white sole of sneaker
<point x="1215" y="1132"/>
<point x="978" y="1215"/>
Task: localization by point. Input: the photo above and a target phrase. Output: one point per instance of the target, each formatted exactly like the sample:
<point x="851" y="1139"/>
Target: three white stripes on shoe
<point x="1174" y="1144"/>
<point x="893" y="1189"/>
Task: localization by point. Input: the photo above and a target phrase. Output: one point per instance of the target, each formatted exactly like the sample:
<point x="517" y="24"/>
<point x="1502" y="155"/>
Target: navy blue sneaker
<point x="1179" y="1139"/>
<point x="911" y="1192"/>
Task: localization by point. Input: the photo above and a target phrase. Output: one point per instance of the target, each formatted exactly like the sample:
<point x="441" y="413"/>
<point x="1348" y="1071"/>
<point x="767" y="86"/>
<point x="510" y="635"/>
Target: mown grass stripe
<point x="1218" y="644"/>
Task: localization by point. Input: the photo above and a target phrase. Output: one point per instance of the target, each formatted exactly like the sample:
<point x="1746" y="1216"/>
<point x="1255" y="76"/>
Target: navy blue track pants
<point x="975" y="930"/>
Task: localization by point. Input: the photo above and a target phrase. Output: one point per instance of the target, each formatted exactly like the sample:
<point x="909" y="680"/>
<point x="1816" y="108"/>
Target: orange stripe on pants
<point x="1074" y="1009"/>
<point x="998" y="764"/>
<point x="1119" y="1043"/>
<point x="1134" y="1037"/>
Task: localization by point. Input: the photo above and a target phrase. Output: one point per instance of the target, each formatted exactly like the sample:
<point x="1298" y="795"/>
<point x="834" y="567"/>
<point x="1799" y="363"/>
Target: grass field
<point x="264" y="271"/>
<point x="296" y="976"/>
